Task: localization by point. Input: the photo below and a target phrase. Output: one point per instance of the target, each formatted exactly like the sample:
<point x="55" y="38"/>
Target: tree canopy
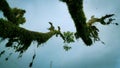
<point x="86" y="30"/>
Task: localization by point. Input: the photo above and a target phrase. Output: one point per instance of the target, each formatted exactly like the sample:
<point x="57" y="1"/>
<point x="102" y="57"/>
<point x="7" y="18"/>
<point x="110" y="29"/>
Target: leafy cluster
<point x="68" y="38"/>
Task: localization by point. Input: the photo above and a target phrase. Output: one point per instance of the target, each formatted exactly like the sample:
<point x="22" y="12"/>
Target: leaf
<point x="66" y="47"/>
<point x="68" y="37"/>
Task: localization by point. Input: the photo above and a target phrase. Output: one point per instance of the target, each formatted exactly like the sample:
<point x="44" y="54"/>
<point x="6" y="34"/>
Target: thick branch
<point x="10" y="29"/>
<point x="75" y="8"/>
<point x="22" y="36"/>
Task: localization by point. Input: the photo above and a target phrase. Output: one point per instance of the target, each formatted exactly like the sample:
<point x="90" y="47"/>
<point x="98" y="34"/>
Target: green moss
<point x="10" y="29"/>
<point x="22" y="36"/>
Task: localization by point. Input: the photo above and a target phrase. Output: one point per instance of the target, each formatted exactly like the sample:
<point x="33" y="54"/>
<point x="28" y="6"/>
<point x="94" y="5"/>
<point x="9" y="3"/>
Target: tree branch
<point x="10" y="29"/>
<point x="22" y="36"/>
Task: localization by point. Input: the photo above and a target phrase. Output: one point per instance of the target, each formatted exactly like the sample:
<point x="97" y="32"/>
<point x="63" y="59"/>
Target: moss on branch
<point x="14" y="15"/>
<point x="9" y="28"/>
<point x="22" y="36"/>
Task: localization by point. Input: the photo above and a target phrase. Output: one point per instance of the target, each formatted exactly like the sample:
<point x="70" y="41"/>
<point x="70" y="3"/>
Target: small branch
<point x="93" y="30"/>
<point x="101" y="20"/>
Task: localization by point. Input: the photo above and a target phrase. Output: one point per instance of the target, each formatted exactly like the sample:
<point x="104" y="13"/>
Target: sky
<point x="40" y="12"/>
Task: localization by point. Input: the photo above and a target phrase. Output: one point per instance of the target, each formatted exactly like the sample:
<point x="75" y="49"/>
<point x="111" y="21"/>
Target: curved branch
<point x="10" y="29"/>
<point x="22" y="36"/>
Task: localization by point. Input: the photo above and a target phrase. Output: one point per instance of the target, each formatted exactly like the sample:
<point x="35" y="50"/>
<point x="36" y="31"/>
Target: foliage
<point x="66" y="47"/>
<point x="68" y="37"/>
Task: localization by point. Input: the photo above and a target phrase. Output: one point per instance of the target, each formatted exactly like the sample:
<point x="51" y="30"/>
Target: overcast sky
<point x="40" y="12"/>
